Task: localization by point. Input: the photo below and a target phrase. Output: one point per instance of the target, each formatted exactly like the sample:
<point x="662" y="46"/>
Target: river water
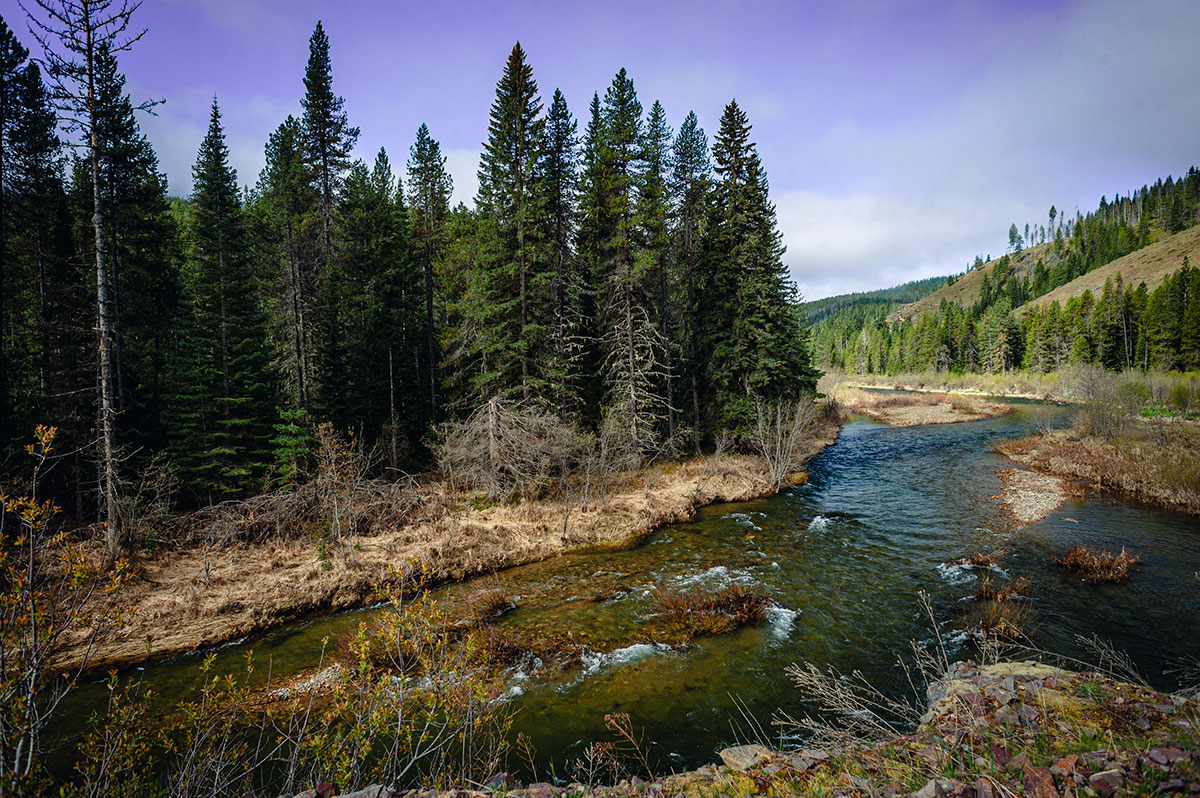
<point x="885" y="514"/>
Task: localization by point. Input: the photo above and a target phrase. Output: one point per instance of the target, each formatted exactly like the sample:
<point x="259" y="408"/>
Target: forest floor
<point x="196" y="596"/>
<point x="917" y="408"/>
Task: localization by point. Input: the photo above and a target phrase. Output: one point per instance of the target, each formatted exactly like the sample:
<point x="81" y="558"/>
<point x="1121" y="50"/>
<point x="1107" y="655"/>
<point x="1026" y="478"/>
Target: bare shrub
<point x="52" y="596"/>
<point x="1098" y="566"/>
<point x="507" y="448"/>
<point x="780" y="430"/>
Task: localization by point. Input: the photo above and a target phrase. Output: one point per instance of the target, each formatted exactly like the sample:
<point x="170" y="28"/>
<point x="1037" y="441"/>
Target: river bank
<point x="1157" y="467"/>
<point x="200" y="596"/>
<point x="1004" y="729"/>
<point x="915" y="408"/>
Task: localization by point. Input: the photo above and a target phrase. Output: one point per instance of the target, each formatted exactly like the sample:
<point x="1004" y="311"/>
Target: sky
<point x="901" y="137"/>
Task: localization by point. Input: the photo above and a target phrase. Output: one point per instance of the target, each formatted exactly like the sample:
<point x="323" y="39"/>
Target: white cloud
<point x="463" y="166"/>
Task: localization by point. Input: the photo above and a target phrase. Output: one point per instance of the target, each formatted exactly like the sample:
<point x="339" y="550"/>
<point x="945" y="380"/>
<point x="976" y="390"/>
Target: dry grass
<point x="912" y="409"/>
<point x="979" y="562"/>
<point x="243" y="576"/>
<point x="1156" y="462"/>
<point x="989" y="589"/>
<point x="1098" y="566"/>
<point x="704" y="613"/>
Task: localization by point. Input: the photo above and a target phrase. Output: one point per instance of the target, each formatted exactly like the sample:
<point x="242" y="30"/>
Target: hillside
<point x="818" y="309"/>
<point x="1149" y="265"/>
<point x="964" y="291"/>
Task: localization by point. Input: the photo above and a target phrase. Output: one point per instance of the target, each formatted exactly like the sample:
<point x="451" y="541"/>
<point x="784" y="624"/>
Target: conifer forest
<point x="610" y="268"/>
<point x="325" y="474"/>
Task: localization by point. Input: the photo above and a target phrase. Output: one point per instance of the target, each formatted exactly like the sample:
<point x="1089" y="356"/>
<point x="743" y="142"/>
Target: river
<point x="885" y="514"/>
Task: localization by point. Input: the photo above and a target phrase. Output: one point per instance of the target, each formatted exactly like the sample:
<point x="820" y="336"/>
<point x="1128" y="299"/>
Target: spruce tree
<point x="328" y="137"/>
<point x="759" y="348"/>
<point x="429" y="189"/>
<point x="631" y="342"/>
<point x="653" y="214"/>
<point x="224" y="403"/>
<point x="288" y="237"/>
<point x="562" y="356"/>
<point x="512" y="203"/>
<point x="690" y="184"/>
<point x="12" y="57"/>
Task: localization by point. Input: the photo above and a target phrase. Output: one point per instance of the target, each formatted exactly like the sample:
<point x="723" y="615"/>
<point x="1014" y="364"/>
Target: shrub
<point x="989" y="590"/>
<point x="703" y="613"/>
<point x="1098" y="566"/>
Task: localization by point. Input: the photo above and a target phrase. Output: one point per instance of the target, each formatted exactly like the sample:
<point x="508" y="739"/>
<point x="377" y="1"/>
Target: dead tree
<point x="72" y="35"/>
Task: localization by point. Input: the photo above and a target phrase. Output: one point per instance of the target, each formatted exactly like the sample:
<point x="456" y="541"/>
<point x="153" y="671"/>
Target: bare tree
<point x="82" y="30"/>
<point x="507" y="447"/>
<point x="780" y="429"/>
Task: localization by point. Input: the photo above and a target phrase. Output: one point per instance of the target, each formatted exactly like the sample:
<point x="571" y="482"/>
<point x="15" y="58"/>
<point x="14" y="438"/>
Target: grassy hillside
<point x="1149" y="265"/>
<point x="964" y="291"/>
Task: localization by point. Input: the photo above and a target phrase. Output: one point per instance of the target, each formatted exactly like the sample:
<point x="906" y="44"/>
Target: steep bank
<point x="195" y="597"/>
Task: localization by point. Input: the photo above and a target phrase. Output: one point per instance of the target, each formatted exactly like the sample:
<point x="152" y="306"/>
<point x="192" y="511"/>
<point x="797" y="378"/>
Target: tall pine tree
<point x="224" y="399"/>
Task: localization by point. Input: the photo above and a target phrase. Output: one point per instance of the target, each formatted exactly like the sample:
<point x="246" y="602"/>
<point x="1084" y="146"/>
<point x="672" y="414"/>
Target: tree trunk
<point x="113" y="536"/>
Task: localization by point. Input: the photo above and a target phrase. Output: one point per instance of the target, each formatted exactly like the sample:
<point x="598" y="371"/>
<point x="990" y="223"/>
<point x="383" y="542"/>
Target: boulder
<point x="744" y="758"/>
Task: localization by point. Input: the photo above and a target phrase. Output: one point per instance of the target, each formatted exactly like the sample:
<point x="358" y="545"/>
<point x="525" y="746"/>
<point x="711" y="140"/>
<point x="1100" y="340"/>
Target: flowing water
<point x="885" y="514"/>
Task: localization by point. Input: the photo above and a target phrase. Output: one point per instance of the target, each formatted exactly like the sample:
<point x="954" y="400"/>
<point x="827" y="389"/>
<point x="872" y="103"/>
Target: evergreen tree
<point x="12" y="57"/>
<point x="562" y="358"/>
<point x="288" y="238"/>
<point x="690" y="184"/>
<point x="224" y="401"/>
<point x="429" y="190"/>
<point x="631" y="344"/>
<point x="759" y="348"/>
<point x="653" y="214"/>
<point x="143" y="250"/>
<point x="328" y="137"/>
<point x="512" y="202"/>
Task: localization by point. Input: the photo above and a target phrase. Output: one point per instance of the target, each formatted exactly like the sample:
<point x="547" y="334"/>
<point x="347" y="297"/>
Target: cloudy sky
<point x="901" y="137"/>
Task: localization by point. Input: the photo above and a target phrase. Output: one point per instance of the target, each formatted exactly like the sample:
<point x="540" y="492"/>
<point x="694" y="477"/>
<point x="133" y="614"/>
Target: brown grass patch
<point x="1096" y="565"/>
<point x="704" y="613"/>
<point x="989" y="589"/>
<point x="980" y="562"/>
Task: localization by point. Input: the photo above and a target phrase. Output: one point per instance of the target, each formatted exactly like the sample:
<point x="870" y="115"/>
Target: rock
<point x="1171" y="785"/>
<point x="1040" y="783"/>
<point x="1018" y="763"/>
<point x="1165" y="756"/>
<point x="326" y="790"/>
<point x="374" y="791"/>
<point x="1114" y="779"/>
<point x="499" y="782"/>
<point x="933" y="789"/>
<point x="743" y="758"/>
<point x="307" y="794"/>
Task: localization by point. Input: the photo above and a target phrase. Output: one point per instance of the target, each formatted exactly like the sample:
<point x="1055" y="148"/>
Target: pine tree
<point x="690" y="186"/>
<point x="511" y="202"/>
<point x="429" y="189"/>
<point x="12" y="57"/>
<point x="224" y="404"/>
<point x="288" y="237"/>
<point x="758" y="346"/>
<point x="328" y="137"/>
<point x="562" y="358"/>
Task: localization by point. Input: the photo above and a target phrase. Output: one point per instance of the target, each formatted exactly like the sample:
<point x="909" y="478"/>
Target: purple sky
<point x="901" y="138"/>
